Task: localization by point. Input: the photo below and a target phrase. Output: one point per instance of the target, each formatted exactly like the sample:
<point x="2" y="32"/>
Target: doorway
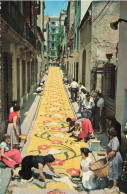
<point x="7" y="84"/>
<point x="77" y="71"/>
<point x="18" y="81"/>
<point x="83" y="67"/>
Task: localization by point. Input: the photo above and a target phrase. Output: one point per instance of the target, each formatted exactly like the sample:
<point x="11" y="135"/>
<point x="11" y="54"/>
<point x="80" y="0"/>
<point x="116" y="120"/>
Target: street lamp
<point x="114" y="25"/>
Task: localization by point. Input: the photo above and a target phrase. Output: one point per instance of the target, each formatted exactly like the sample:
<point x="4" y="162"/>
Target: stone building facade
<point x="69" y="33"/>
<point x="20" y="47"/>
<point x="96" y="40"/>
<point x="53" y="31"/>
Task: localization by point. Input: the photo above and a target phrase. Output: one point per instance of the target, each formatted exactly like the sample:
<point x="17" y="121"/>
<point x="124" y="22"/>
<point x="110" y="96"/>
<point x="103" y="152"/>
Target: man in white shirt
<point x="88" y="105"/>
<point x="74" y="88"/>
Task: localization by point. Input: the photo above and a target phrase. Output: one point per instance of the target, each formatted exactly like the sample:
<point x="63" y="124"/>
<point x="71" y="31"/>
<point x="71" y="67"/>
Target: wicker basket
<point x="100" y="168"/>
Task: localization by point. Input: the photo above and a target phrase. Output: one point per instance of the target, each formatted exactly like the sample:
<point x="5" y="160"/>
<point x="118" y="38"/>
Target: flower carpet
<point x="50" y="136"/>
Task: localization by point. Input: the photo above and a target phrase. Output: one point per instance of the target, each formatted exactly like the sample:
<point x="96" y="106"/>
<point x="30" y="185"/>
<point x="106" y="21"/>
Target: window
<point x="109" y="80"/>
<point x="28" y="76"/>
<point x="78" y="40"/>
<point x="53" y="30"/>
<point x="75" y="42"/>
<point x="23" y="77"/>
<point x="52" y="45"/>
<point x="52" y="38"/>
<point x="53" y="23"/>
<point x="53" y="53"/>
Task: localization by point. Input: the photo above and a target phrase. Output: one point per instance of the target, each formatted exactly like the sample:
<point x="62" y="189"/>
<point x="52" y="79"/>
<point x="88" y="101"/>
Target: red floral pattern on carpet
<point x="57" y="142"/>
<point x="73" y="171"/>
<point x="43" y="147"/>
<point x="58" y="162"/>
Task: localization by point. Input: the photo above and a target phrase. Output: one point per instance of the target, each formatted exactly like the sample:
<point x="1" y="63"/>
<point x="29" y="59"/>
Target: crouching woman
<point x="88" y="177"/>
<point x="10" y="157"/>
<point x="37" y="162"/>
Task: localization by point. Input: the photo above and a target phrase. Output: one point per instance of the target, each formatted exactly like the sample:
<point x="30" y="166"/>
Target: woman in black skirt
<point x="37" y="162"/>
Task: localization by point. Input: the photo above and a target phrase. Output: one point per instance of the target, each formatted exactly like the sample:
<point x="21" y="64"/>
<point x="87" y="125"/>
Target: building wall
<point x="121" y="96"/>
<point x="104" y="39"/>
<point x="71" y="13"/>
<point x="85" y="44"/>
<point x="51" y="33"/>
<point x="18" y="44"/>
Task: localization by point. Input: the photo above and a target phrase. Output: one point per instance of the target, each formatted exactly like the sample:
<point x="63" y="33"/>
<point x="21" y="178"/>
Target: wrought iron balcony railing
<point x="29" y="35"/>
<point x="38" y="46"/>
<point x="12" y="16"/>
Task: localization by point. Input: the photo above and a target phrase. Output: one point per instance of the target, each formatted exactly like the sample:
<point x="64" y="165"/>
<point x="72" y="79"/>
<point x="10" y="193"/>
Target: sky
<point x="53" y="8"/>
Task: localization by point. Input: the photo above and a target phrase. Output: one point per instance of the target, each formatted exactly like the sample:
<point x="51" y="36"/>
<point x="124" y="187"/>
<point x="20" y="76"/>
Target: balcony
<point x="14" y="20"/>
<point x="37" y="8"/>
<point x="38" y="46"/>
<point x="12" y="17"/>
<point x="29" y="35"/>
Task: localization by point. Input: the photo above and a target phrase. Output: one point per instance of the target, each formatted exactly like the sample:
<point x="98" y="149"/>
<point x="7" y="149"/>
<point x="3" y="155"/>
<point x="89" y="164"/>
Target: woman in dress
<point x="100" y="111"/>
<point x="10" y="157"/>
<point x="84" y="127"/>
<point x="88" y="177"/>
<point x="13" y="127"/>
<point x="114" y="157"/>
<point x="82" y="97"/>
<point x="37" y="162"/>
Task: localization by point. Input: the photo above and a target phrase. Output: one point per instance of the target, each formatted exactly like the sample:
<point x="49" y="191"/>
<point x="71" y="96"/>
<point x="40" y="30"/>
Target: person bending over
<point x="71" y="122"/>
<point x="85" y="127"/>
<point x="37" y="162"/>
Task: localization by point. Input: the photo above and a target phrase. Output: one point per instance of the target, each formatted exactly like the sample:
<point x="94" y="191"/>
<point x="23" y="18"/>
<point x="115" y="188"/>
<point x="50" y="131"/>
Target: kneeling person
<point x="85" y="128"/>
<point x="37" y="162"/>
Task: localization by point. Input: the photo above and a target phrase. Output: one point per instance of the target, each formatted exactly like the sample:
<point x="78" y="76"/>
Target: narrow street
<point x="50" y="136"/>
<point x="63" y="59"/>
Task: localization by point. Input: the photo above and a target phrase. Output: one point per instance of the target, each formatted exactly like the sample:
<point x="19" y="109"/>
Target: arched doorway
<point x="83" y="67"/>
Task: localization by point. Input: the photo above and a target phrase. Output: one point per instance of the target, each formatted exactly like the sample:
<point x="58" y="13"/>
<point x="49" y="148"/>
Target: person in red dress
<point x="12" y="129"/>
<point x="10" y="157"/>
<point x="85" y="127"/>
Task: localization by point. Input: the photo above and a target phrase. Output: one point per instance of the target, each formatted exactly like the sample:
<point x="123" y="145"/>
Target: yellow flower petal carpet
<point x="50" y="134"/>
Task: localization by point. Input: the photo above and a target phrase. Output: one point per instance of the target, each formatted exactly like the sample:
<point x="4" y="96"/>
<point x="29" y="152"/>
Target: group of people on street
<point x="81" y="129"/>
<point x="91" y="106"/>
<point x="40" y="87"/>
<point x="9" y="153"/>
<point x="92" y="110"/>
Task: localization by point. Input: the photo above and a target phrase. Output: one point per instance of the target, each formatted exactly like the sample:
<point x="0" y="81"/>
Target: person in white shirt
<point x="89" y="180"/>
<point x="81" y="87"/>
<point x="74" y="88"/>
<point x="82" y="97"/>
<point x="39" y="90"/>
<point x="88" y="105"/>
